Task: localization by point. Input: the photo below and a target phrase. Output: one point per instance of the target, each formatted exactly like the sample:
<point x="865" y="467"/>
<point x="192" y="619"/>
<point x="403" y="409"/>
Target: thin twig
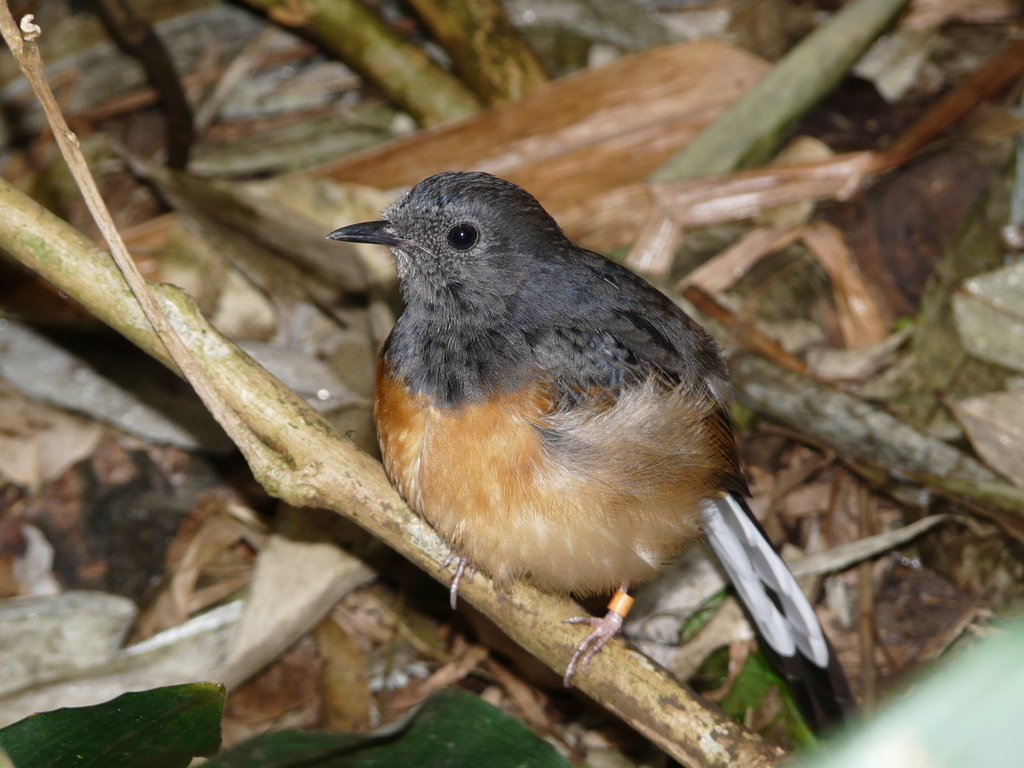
<point x="247" y="61"/>
<point x="22" y="44"/>
<point x="746" y="336"/>
<point x="999" y="72"/>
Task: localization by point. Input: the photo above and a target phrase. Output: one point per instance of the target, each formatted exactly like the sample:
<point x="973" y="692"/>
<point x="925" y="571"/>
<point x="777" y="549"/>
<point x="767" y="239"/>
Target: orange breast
<point x="610" y="508"/>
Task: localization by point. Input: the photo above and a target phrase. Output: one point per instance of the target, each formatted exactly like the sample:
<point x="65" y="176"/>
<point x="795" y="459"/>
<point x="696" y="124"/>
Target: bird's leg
<point x="462" y="566"/>
<point x="605" y="629"/>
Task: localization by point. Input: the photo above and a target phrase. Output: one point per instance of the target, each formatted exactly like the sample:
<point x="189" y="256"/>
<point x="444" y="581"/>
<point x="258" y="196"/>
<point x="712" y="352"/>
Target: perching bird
<point x="559" y="420"/>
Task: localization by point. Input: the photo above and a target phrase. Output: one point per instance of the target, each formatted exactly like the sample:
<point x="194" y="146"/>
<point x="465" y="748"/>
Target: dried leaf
<point x="857" y="364"/>
<point x="861" y="321"/>
<point x="186" y="653"/>
<point x="32" y="569"/>
<point x="48" y="638"/>
<point x="895" y="61"/>
<point x="128" y="390"/>
<point x="450" y="673"/>
<point x="994" y="423"/>
<point x="300" y="574"/>
<point x="578" y="136"/>
<point x="728" y="626"/>
<point x="284" y="695"/>
<point x="194" y="551"/>
<point x="808" y="499"/>
<point x="989" y="312"/>
<point x="40" y="443"/>
<point x="344" y="680"/>
<point x="528" y="700"/>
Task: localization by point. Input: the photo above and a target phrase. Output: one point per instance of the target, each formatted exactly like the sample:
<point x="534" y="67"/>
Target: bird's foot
<point x="605" y="628"/>
<point x="462" y="568"/>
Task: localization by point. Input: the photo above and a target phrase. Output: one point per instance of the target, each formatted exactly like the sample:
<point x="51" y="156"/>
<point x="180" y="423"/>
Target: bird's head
<point x="470" y="235"/>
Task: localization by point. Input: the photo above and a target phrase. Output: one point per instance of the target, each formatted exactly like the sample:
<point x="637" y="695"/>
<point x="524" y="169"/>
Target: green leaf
<point x="751" y="130"/>
<point x="161" y="728"/>
<point x="701" y="617"/>
<point x="964" y="715"/>
<point x="451" y="729"/>
<point x="753" y="683"/>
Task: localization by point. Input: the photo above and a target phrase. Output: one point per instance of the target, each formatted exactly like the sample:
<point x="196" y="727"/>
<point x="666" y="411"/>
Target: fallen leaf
<point x="578" y="136"/>
<point x="344" y="680"/>
<point x="989" y="311"/>
<point x="994" y="423"/>
<point x="39" y="442"/>
<point x="300" y="574"/>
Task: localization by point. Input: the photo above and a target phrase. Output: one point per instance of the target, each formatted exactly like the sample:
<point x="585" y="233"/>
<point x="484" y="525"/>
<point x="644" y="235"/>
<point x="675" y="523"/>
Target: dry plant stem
<point x="616" y="217"/>
<point x="487" y="50"/>
<point x="318" y="467"/>
<point x="752" y="129"/>
<point x="726" y="268"/>
<point x="136" y="35"/>
<point x="999" y="72"/>
<point x="877" y="444"/>
<point x="27" y="54"/>
<point x="844" y="556"/>
<point x="244" y="64"/>
<point x="861" y="320"/>
<point x="656" y="245"/>
<point x="859" y="315"/>
<point x="746" y="337"/>
<point x="866" y="603"/>
<point x="404" y="72"/>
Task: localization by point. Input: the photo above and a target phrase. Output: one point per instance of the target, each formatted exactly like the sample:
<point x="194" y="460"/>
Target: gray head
<point x="469" y="233"/>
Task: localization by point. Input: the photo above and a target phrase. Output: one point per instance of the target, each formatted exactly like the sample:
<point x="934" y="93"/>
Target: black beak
<point x="367" y="232"/>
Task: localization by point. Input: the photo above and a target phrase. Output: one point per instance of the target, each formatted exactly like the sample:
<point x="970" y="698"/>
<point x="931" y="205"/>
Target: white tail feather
<point x="752" y="564"/>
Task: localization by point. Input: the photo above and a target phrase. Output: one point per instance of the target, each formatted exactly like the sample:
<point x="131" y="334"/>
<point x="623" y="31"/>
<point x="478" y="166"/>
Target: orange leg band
<point x="620" y="603"/>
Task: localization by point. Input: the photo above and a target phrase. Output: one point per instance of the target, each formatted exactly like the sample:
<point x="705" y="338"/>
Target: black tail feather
<point x="790" y="633"/>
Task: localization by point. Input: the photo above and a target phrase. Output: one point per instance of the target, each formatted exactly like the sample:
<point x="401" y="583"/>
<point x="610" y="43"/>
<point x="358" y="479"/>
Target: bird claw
<point x="462" y="567"/>
<point x="605" y="628"/>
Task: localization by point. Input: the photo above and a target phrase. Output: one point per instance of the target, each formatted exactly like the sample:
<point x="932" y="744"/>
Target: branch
<point x="486" y="49"/>
<point x="22" y="44"/>
<point x="139" y="39"/>
<point x="400" y="69"/>
<point x="875" y="442"/>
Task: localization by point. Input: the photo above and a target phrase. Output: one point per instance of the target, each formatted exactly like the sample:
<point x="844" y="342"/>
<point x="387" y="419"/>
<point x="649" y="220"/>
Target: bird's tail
<point x="791" y="635"/>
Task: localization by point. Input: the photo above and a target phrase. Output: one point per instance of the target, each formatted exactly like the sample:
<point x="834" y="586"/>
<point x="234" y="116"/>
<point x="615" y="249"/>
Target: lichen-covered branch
<point x="488" y="52"/>
<point x="870" y="438"/>
<point x="399" y="68"/>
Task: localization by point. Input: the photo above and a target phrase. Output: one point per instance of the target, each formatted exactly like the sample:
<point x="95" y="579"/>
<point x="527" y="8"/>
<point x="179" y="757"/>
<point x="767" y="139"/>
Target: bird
<point x="559" y="420"/>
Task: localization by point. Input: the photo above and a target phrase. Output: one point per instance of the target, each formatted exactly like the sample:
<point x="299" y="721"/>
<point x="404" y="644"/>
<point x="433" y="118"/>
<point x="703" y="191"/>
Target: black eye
<point x="462" y="237"/>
